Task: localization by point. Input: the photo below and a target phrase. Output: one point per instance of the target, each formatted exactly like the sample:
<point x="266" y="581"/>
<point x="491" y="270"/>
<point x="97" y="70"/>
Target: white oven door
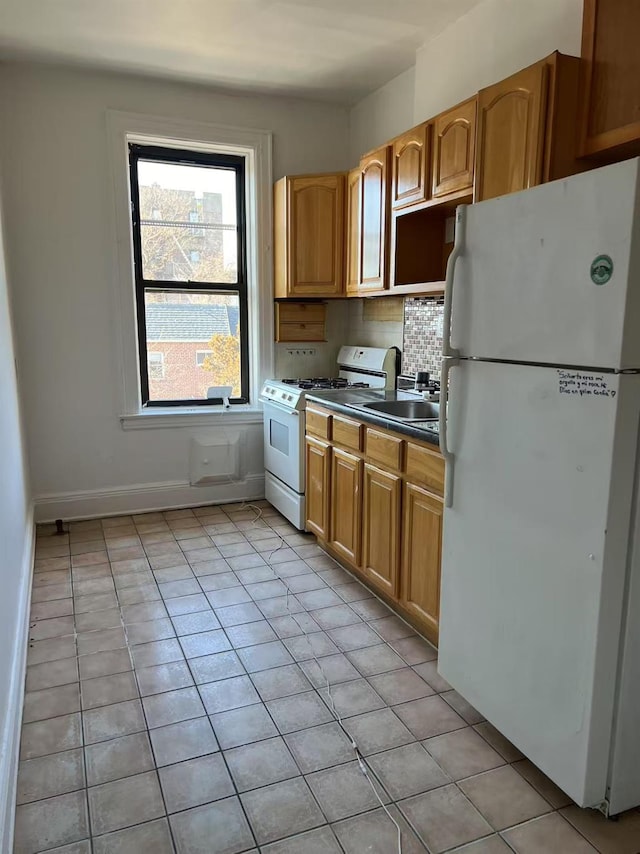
<point x="284" y="444"/>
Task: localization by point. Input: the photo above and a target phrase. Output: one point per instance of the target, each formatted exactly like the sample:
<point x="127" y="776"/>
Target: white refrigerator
<point x="540" y="598"/>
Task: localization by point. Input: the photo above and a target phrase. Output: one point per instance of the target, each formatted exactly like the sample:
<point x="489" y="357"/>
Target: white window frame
<point x="255" y="146"/>
<point x="202" y="352"/>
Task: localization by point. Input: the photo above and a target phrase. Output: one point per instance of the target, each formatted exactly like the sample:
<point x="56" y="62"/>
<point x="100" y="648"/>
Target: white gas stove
<point x="284" y="421"/>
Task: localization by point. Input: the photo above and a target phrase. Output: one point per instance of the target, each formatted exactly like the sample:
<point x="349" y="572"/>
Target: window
<point x="191" y="286"/>
<point x="194" y="216"/>
<point x="155" y="363"/>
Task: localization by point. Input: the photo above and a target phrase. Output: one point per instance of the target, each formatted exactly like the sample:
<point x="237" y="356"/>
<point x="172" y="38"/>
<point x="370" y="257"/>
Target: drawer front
<point x="300" y="332"/>
<point x="385" y="450"/>
<point x="425" y="467"/>
<point x="347" y="433"/>
<point x="318" y="423"/>
<point x="301" y="312"/>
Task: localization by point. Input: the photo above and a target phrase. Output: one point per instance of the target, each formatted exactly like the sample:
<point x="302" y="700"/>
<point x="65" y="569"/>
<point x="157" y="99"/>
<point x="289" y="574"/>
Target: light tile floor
<point x="173" y="704"/>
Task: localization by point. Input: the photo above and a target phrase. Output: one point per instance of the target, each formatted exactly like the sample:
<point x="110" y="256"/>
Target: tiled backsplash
<point x="422" y="345"/>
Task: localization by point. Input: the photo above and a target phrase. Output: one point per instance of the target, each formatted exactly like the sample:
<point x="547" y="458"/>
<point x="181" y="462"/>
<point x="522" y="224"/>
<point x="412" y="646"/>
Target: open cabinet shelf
<point x="421" y="242"/>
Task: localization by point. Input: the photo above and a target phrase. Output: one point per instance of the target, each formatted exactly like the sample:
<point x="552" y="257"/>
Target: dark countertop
<point x="349" y="400"/>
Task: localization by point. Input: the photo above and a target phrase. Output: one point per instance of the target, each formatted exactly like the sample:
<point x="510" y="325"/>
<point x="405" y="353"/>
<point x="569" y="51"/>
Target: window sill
<point x="163" y="419"/>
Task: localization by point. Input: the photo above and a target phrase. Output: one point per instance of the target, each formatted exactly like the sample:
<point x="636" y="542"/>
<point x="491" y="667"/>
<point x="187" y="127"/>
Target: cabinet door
<point x="381" y="529"/>
<point x="317" y="491"/>
<point x="511" y="128"/>
<point x="374" y="219"/>
<point x="354" y="184"/>
<point x="421" y="554"/>
<point x="410" y="166"/>
<point x="346" y="512"/>
<point x="454" y="150"/>
<point x="316" y="226"/>
<point x="610" y="78"/>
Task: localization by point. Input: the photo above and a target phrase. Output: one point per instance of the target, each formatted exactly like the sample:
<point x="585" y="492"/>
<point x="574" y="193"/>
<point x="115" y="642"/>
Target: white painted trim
<point x="256" y="147"/>
<point x="143" y="497"/>
<point x="161" y="419"/>
<point x="10" y="738"/>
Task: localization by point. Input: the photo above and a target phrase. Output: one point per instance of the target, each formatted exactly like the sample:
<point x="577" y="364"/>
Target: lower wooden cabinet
<point x="421" y="554"/>
<point x="345" y="506"/>
<point x="318" y="456"/>
<point x="381" y="529"/>
<point x="379" y="510"/>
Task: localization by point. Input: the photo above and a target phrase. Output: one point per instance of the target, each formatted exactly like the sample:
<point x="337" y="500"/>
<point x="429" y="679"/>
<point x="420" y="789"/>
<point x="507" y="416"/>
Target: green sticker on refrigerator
<point x="601" y="270"/>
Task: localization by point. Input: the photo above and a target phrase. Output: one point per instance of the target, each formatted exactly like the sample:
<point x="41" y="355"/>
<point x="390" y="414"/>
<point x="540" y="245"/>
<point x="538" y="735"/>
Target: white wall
<point x="54" y="158"/>
<point x="372" y="333"/>
<point x="16" y="537"/>
<point x="494" y="40"/>
<point x="323" y="361"/>
<point x="382" y="114"/>
<point x="486" y="45"/>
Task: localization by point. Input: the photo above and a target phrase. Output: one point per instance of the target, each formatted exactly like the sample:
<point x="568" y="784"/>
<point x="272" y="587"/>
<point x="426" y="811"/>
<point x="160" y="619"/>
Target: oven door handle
<point x="279" y="406"/>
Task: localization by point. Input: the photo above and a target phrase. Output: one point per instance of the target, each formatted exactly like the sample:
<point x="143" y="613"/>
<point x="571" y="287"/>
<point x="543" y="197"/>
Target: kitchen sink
<point x="406" y="410"/>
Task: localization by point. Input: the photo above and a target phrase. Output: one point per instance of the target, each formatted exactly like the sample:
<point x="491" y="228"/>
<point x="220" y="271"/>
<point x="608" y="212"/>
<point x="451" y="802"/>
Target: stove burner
<point x="324" y="383"/>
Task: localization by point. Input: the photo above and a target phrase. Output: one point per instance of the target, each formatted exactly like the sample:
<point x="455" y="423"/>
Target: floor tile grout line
<point x="153" y="754"/>
<point x="237" y="795"/>
<point x="383" y="640"/>
<point x="87" y="785"/>
<point x="82" y="737"/>
<point x="263" y="703"/>
<point x="313" y="687"/>
<point x="148" y="730"/>
<point x="361" y="760"/>
<point x="362" y="676"/>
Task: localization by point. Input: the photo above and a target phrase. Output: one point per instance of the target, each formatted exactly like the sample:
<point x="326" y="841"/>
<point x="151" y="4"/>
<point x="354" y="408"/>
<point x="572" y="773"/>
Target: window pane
<point x="188" y="222"/>
<point x="155" y="364"/>
<point x="193" y="343"/>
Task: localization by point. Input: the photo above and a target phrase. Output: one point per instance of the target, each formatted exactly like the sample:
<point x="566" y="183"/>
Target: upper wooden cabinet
<point x="511" y="126"/>
<point x="352" y="265"/>
<point x="385" y="227"/>
<point x="454" y="147"/>
<point x="374" y="219"/>
<point x="309" y="236"/>
<point x="610" y="91"/>
<point x="410" y="167"/>
<point x="526" y="128"/>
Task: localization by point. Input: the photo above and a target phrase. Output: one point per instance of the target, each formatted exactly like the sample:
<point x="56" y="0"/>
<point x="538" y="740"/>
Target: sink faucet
<point x="430" y="389"/>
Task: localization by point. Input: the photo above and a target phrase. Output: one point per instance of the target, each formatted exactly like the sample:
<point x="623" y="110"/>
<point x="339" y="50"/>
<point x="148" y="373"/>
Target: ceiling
<point x="336" y="50"/>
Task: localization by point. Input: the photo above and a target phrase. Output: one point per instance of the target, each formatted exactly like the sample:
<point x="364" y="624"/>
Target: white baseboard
<point x="10" y="738"/>
<point x="143" y="497"/>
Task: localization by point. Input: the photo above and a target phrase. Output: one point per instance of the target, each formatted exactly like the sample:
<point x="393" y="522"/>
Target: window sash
<point x="189" y="158"/>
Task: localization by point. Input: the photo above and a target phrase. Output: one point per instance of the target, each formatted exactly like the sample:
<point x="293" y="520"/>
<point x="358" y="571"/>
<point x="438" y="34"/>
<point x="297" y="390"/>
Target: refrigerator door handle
<point x="458" y="242"/>
<point x="447" y="364"/>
